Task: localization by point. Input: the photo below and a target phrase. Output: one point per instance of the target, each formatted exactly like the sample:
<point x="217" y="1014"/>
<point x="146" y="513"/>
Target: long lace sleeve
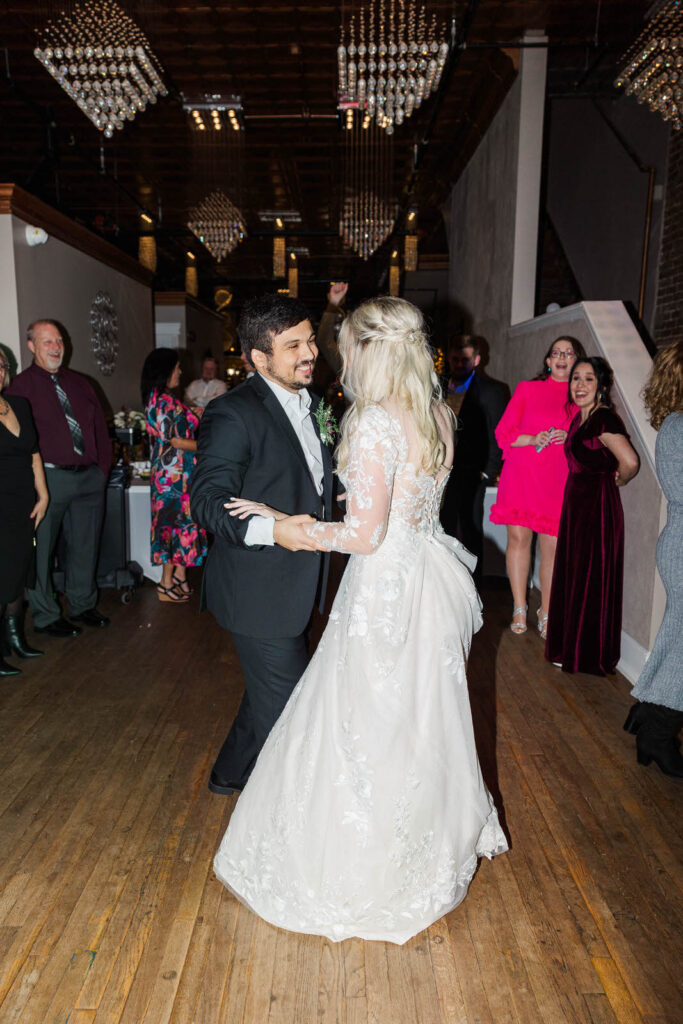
<point x="369" y="479"/>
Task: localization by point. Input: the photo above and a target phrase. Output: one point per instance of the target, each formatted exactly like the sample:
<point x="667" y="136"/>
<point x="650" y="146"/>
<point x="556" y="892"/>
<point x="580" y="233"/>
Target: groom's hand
<point x="289" y="533"/>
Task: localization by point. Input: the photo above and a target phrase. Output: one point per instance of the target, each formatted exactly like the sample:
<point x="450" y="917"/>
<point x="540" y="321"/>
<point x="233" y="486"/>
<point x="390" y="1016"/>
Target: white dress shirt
<point x="200" y="391"/>
<point x="297" y="406"/>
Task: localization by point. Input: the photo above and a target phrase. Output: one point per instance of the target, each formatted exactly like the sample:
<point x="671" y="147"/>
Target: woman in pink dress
<point x="531" y="434"/>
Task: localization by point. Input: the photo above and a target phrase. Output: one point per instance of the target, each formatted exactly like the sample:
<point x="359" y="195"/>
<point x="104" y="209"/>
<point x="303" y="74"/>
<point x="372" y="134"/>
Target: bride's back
<point x="416" y="495"/>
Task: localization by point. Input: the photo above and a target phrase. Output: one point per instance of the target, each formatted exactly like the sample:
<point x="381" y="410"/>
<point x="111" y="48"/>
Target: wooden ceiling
<point x="280" y="58"/>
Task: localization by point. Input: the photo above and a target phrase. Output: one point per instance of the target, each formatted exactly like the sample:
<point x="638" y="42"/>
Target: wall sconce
<point x="191" y="276"/>
<point x="410" y="242"/>
<point x="147" y="245"/>
<point x="394" y="274"/>
<point x="279" y="250"/>
<point x="293" y="276"/>
<point x="36" y="236"/>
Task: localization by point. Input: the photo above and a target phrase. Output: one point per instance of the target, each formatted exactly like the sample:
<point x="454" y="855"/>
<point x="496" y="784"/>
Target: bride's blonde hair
<point x="385" y="354"/>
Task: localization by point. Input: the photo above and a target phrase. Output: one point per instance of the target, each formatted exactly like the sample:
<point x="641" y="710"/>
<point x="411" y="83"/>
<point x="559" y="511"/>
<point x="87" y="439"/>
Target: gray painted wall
<point x="428" y="290"/>
<point x="597" y="197"/>
<point x="482" y="232"/>
<point x="57" y="281"/>
<point x="204" y="331"/>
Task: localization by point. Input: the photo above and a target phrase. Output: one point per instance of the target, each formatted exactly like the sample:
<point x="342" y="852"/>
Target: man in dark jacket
<point x="478" y="404"/>
<point x="261" y="441"/>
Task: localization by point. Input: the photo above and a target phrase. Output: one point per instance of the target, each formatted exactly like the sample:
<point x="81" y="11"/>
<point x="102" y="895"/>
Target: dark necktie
<point x="74" y="425"/>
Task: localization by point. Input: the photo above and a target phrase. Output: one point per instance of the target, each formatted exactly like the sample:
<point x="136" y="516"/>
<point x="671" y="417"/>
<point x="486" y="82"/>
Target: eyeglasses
<point x="559" y="354"/>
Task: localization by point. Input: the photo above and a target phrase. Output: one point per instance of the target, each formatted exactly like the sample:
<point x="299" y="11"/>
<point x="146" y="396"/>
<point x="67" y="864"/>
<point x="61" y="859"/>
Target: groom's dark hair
<point x="265" y="316"/>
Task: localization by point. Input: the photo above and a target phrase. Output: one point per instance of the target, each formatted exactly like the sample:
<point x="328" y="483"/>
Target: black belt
<point x="69" y="469"/>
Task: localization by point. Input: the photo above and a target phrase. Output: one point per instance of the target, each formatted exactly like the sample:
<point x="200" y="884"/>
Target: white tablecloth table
<point x="139" y="520"/>
<point x="140" y="517"/>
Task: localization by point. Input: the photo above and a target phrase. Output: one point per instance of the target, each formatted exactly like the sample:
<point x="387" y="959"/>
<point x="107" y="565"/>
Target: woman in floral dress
<point x="176" y="540"/>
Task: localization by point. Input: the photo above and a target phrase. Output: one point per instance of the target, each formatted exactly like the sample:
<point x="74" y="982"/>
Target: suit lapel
<point x="284" y="425"/>
<point x="328" y="469"/>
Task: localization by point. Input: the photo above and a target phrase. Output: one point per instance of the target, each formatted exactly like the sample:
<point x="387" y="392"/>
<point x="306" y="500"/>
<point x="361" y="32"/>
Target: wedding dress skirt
<point x="366" y="811"/>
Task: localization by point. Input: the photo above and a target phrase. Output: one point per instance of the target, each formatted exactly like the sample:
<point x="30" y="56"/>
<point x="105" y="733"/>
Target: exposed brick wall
<point x="669" y="316"/>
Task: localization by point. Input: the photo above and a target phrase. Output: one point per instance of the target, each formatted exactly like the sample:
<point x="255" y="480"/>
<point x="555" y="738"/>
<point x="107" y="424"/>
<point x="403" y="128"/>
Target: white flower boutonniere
<point x="327" y="425"/>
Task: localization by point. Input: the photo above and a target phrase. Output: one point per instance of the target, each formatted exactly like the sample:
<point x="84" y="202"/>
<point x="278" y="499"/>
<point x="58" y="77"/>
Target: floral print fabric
<point x="175" y="537"/>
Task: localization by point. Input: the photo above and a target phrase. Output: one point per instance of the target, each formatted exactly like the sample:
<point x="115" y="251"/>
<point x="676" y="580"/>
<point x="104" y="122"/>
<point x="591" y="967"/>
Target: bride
<point x="366" y="812"/>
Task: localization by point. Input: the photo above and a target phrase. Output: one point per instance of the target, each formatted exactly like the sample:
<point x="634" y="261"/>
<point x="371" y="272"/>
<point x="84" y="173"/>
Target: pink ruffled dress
<point x="532" y="483"/>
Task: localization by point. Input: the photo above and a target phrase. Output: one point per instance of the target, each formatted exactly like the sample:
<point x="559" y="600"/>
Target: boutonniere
<point x="327" y="425"/>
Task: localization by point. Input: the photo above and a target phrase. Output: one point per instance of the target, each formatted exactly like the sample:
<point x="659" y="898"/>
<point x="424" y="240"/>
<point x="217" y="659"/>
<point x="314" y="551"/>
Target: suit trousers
<point x="76" y="507"/>
<point x="271" y="667"/>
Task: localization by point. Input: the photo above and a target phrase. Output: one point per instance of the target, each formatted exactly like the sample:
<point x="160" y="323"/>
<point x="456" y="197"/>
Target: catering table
<point x="495" y="539"/>
<point x="139" y="522"/>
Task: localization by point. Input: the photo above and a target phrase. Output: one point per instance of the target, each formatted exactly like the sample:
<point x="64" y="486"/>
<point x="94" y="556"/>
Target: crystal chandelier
<point x="366" y="222"/>
<point x="368" y="209"/>
<point x="393" y="60"/>
<point x="653" y="67"/>
<point x="103" y="61"/>
<point x="217" y="223"/>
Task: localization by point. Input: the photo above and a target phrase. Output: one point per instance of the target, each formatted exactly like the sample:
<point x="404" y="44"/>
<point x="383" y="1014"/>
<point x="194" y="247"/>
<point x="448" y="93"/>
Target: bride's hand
<point x="242" y="507"/>
<point x="289" y="533"/>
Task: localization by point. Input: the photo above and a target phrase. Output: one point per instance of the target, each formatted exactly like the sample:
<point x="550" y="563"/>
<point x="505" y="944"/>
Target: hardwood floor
<point x="110" y="914"/>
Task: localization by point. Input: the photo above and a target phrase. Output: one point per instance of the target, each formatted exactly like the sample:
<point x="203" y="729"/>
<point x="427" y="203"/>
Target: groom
<point x="261" y="441"/>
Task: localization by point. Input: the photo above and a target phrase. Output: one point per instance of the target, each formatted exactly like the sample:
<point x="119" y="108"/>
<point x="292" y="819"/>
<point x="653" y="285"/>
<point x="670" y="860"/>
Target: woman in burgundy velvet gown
<point x="584" y="622"/>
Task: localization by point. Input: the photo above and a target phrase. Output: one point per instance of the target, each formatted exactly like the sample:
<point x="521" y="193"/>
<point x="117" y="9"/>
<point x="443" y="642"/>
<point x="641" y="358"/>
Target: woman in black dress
<point x="23" y="501"/>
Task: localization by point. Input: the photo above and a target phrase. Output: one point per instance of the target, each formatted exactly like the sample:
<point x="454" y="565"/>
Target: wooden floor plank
<point x="331" y="983"/>
<point x="446" y="974"/>
<point x="110" y="913"/>
<point x="378" y="993"/>
<point x="625" y="1010"/>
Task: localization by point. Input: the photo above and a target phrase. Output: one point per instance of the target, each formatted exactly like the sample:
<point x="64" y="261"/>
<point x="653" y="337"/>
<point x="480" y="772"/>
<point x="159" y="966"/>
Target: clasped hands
<point x="552" y="436"/>
<point x="288" y="531"/>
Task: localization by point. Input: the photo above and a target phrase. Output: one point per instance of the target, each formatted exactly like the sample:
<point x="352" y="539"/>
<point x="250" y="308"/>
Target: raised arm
<point x="325" y="338"/>
<point x="223" y="454"/>
<point x="370" y="479"/>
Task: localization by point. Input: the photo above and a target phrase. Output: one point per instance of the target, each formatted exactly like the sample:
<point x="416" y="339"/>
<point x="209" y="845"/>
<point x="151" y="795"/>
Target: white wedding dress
<point x="366" y="811"/>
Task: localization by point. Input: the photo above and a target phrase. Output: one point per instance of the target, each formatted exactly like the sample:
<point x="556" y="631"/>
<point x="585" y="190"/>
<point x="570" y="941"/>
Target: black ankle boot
<point x="8" y="670"/>
<point x="656" y="739"/>
<point x="635" y="718"/>
<point x="16" y="638"/>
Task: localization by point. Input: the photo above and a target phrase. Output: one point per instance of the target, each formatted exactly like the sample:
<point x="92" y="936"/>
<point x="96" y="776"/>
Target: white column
<point x="169" y="334"/>
<point x="532" y="70"/>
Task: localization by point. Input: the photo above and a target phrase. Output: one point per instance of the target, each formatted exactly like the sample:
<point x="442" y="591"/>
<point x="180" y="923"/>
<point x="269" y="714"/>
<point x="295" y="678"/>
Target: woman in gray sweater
<point x="657" y="719"/>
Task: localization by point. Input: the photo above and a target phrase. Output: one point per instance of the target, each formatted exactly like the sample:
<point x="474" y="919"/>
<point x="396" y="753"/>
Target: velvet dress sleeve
<point x="607" y="422"/>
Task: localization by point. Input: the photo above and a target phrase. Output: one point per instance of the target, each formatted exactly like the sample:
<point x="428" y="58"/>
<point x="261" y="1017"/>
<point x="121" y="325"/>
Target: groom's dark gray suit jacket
<point x="248" y="448"/>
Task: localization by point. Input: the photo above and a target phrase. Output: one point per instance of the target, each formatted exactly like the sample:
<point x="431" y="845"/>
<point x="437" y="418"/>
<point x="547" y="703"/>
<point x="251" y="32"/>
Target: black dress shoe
<point x="92" y="617"/>
<point x="8" y="670"/>
<point x="222" y="786"/>
<point x="60" y="627"/>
